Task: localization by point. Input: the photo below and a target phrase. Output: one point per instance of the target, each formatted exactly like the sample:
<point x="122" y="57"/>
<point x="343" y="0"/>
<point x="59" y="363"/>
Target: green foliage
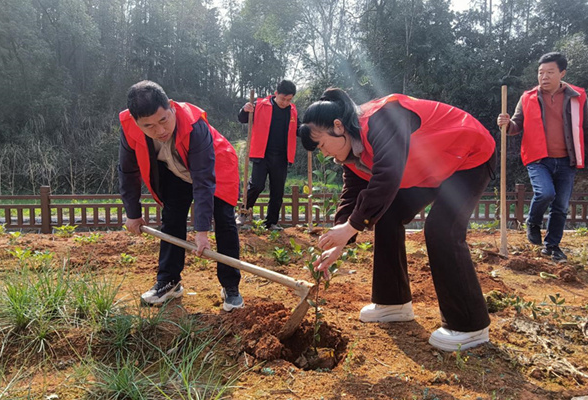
<point x="127" y="259"/>
<point x="274" y="236"/>
<point x="65" y="231"/>
<point x="14" y="236"/>
<point x="324" y="178"/>
<point x="93" y="238"/>
<point x="281" y="255"/>
<point x="365" y="246"/>
<point x="2" y="229"/>
<point x="581" y="231"/>
<point x="296" y="249"/>
<point x="349" y="255"/>
<point x="318" y="301"/>
<point x="485" y="226"/>
<point x="258" y="227"/>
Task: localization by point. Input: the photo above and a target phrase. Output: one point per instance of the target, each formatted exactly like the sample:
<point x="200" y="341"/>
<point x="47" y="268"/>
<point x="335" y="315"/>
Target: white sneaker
<point x="448" y="340"/>
<point x="387" y="313"/>
<point x="161" y="292"/>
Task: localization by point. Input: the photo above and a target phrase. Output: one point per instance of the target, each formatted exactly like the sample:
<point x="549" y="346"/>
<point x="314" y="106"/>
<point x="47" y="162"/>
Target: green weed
<point x="65" y="231"/>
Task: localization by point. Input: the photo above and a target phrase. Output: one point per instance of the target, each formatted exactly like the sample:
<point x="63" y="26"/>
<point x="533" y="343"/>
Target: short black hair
<point x="286" y="87"/>
<point x="557" y="57"/>
<point x="144" y="99"/>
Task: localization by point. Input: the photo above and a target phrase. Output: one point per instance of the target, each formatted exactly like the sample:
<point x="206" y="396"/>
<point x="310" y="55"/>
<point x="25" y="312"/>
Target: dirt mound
<point x="256" y="326"/>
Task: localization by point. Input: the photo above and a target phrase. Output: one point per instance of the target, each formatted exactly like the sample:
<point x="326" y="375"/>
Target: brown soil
<point x="528" y="358"/>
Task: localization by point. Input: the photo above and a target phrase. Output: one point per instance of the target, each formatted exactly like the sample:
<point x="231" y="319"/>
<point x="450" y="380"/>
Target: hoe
<point x="302" y="288"/>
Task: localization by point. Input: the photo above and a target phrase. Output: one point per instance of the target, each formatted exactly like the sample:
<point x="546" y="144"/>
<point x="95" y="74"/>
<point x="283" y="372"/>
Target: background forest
<point x="65" y="66"/>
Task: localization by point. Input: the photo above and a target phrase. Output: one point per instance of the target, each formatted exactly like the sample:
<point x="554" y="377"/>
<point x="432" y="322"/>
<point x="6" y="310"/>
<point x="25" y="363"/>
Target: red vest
<point x="534" y="145"/>
<point x="226" y="163"/>
<point x="448" y="140"/>
<point x="261" y="126"/>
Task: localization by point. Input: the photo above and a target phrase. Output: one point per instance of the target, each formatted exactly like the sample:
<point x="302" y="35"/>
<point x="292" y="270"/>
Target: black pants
<point x="461" y="301"/>
<point x="276" y="166"/>
<point x="177" y="198"/>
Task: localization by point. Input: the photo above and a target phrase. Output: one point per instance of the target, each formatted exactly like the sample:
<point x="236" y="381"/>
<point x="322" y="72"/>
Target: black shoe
<point x="534" y="233"/>
<point x="555" y="252"/>
<point x="161" y="292"/>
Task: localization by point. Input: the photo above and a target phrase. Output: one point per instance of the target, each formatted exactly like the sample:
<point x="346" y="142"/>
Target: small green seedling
<point x="258" y="227"/>
<point x="281" y="255"/>
<point x="127" y="258"/>
<point x="365" y="246"/>
<point x="296" y="249"/>
<point x="317" y="302"/>
<point x="65" y="231"/>
<point x="93" y="238"/>
<point x="14" y="236"/>
<point x="274" y="235"/>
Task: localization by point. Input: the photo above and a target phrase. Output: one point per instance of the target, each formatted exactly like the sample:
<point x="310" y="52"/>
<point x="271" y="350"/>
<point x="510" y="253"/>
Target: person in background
<point x="273" y="146"/>
<point x="181" y="159"/>
<point x="553" y="118"/>
<point x="400" y="154"/>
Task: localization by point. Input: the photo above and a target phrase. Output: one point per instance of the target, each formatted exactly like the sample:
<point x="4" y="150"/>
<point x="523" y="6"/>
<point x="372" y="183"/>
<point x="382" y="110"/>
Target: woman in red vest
<point x="181" y="158"/>
<point x="400" y="154"/>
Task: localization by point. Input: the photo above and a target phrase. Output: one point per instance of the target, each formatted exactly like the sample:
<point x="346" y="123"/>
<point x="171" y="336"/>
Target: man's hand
<point x="202" y="242"/>
<point x="248" y="107"/>
<point x="338" y="235"/>
<point x="134" y="225"/>
<point x="503" y="119"/>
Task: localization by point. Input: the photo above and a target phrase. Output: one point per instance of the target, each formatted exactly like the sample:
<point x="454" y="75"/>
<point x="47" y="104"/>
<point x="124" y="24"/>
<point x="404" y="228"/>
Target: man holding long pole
<point x="273" y="146"/>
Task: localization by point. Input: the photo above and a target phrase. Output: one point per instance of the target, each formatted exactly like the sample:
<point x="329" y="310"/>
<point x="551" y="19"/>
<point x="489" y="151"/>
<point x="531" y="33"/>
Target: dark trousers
<point x="177" y="198"/>
<point x="460" y="297"/>
<point x="276" y="166"/>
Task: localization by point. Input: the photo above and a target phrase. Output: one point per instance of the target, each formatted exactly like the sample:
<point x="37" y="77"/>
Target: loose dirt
<point x="537" y="349"/>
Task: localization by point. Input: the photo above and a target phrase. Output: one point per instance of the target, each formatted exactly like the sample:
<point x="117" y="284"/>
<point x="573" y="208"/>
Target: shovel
<point x="302" y="288"/>
<point x="244" y="210"/>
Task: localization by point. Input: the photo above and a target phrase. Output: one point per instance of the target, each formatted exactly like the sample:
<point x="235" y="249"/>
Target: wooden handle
<point x="503" y="203"/>
<point x="247" y="147"/>
<point x="300" y="286"/>
<point x="309" y="210"/>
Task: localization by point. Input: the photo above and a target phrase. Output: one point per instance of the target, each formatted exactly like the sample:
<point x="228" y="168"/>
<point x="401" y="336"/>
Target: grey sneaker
<point x="232" y="298"/>
<point x="275" y="227"/>
<point x="243" y="219"/>
<point x="161" y="292"/>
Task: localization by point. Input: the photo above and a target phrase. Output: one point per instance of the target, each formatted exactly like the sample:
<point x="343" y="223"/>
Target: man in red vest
<point x="181" y="158"/>
<point x="273" y="146"/>
<point x="553" y="118"/>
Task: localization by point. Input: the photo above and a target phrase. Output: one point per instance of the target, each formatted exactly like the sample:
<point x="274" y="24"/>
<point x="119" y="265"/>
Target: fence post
<point x="295" y="198"/>
<point x="520" y="203"/>
<point x="45" y="194"/>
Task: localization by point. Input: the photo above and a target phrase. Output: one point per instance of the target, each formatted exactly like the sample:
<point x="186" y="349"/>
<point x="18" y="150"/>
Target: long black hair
<point x="333" y="104"/>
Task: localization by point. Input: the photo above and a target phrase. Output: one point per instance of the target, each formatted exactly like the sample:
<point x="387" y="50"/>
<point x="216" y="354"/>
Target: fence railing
<point x="45" y="211"/>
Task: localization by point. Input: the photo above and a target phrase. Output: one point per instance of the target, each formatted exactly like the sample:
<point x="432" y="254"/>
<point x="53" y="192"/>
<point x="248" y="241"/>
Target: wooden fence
<point x="44" y="212"/>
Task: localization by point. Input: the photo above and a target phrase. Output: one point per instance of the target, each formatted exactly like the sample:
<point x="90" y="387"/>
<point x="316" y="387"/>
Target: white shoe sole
<point x="227" y="306"/>
<point x="404" y="313"/>
<point x="392" y="317"/>
<point x="168" y="296"/>
<point x="448" y="344"/>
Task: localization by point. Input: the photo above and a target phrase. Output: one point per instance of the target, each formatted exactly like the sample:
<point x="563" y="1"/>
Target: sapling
<point x="317" y="302"/>
<point x="66" y="230"/>
<point x="281" y="255"/>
